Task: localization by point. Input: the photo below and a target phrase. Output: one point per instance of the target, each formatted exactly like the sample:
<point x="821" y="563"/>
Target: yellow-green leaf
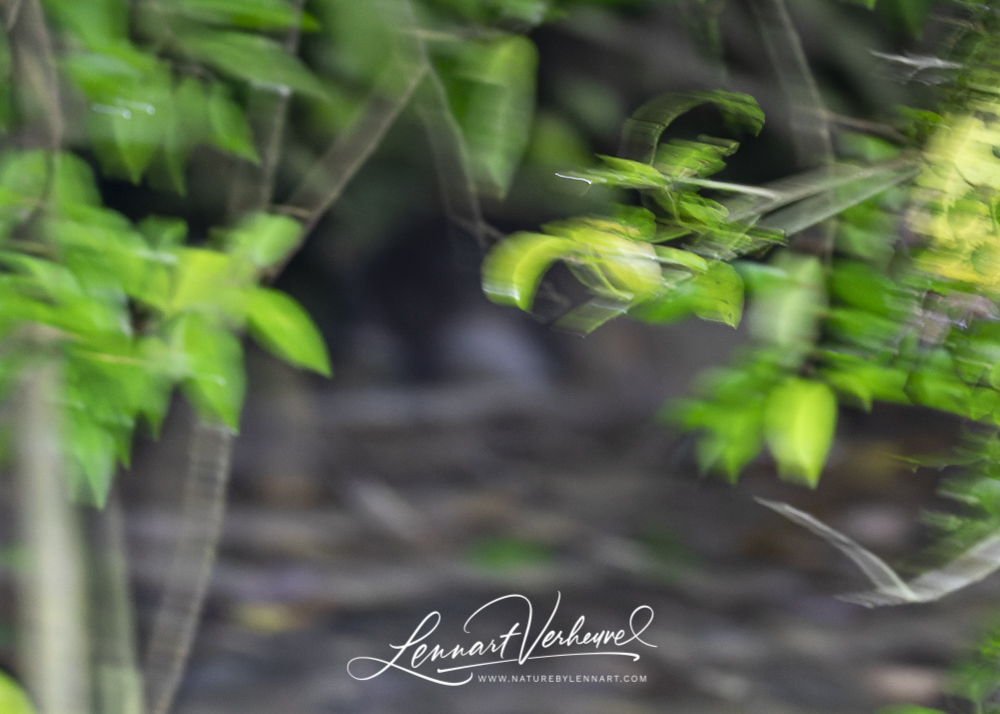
<point x="265" y="239"/>
<point x="800" y="418"/>
<point x="515" y="267"/>
<point x="13" y="700"/>
<point x="280" y="325"/>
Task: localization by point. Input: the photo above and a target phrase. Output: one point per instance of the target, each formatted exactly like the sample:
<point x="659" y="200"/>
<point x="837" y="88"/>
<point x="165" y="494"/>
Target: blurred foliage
<point x="841" y="309"/>
<point x="156" y="93"/>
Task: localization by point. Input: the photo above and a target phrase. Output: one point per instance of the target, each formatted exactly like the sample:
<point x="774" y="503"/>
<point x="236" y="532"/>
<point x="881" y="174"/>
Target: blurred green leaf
<point x="800" y="418"/>
<point x="280" y="325"/>
<point x="251" y="14"/>
<point x="92" y="451"/>
<point x="259" y="60"/>
<point x="361" y="39"/>
<point x="230" y="128"/>
<point x="214" y="357"/>
<point x="13" y="699"/>
<point x="263" y="238"/>
<point x="97" y="23"/>
<point x="719" y="294"/>
<point x="942" y="390"/>
<point x="211" y="282"/>
<point x="515" y="267"/>
<point x="789" y="305"/>
<point x="643" y="129"/>
<point x="493" y="92"/>
<point x="625" y="173"/>
<point x="734" y="439"/>
<point x="164" y="232"/>
<point x="675" y="300"/>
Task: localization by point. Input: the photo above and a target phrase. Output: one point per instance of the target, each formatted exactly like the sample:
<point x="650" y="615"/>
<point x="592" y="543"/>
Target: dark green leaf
<point x="280" y="324"/>
<point x="230" y="128"/>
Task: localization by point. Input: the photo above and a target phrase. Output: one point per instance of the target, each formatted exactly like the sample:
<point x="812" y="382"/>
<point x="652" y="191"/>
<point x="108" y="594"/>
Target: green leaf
<point x="230" y="129"/>
<point x="682" y="159"/>
<point x="131" y="105"/>
<point x="788" y="309"/>
<point x="642" y="131"/>
<point x="13" y="700"/>
<point x="25" y="173"/>
<point x="800" y="418"/>
<point x="493" y="88"/>
<point x="74" y="183"/>
<point x="859" y="285"/>
<point x="941" y="390"/>
<point x="214" y="362"/>
<point x="96" y="22"/>
<point x="625" y="173"/>
<point x="515" y="267"/>
<point x="259" y="60"/>
<point x="92" y="452"/>
<point x="211" y="282"/>
<point x="732" y="442"/>
<point x="264" y="239"/>
<point x="361" y="40"/>
<point x="718" y="294"/>
<point x="251" y="14"/>
<point x="617" y="266"/>
<point x="690" y="260"/>
<point x="280" y="325"/>
<point x="164" y="232"/>
<point x="191" y="99"/>
<point x="908" y="709"/>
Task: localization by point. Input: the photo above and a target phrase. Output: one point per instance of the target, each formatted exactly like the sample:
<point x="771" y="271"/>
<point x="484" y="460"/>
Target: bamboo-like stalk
<point x="53" y="639"/>
<point x="177" y="619"/>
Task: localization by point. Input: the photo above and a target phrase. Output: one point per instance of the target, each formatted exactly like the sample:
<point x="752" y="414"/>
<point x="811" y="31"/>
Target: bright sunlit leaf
<point x="280" y="325"/>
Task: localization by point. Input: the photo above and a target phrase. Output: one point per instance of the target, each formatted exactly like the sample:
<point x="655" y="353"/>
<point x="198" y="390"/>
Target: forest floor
<point x="357" y="510"/>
